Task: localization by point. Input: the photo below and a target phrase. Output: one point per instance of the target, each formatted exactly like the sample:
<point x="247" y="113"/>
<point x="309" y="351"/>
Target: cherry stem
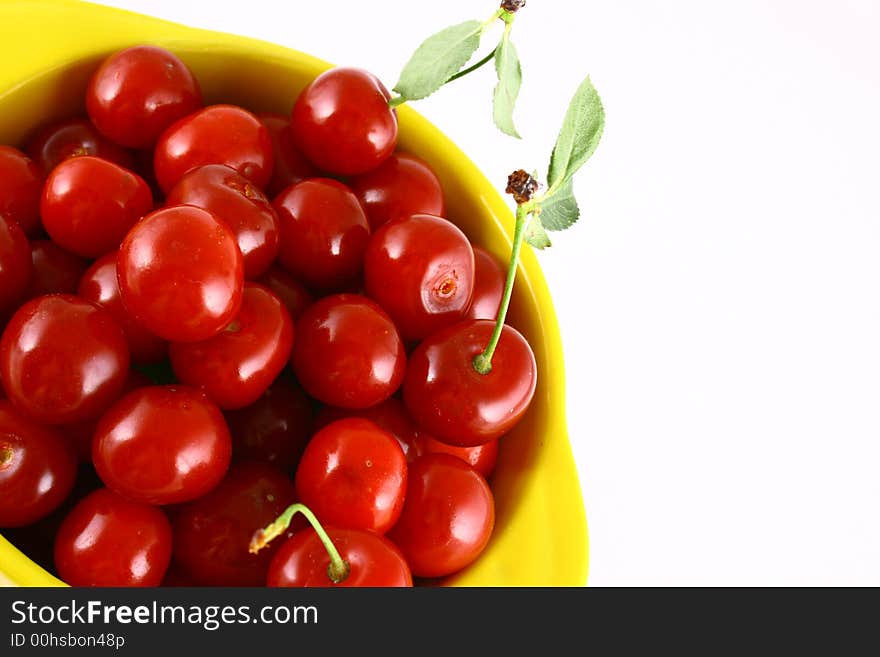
<point x="397" y="101"/>
<point x="483" y="361"/>
<point x="488" y="58"/>
<point x="338" y="569"/>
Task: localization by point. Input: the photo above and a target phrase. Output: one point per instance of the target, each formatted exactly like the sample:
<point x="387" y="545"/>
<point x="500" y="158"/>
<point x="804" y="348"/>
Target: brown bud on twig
<point x="522" y="186"/>
<point x="511" y="6"/>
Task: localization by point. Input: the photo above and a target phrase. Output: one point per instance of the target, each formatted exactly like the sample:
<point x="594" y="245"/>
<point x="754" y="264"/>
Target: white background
<point x="719" y="299"/>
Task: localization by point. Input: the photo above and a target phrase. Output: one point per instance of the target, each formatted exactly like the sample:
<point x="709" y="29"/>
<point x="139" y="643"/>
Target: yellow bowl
<point x="50" y="47"/>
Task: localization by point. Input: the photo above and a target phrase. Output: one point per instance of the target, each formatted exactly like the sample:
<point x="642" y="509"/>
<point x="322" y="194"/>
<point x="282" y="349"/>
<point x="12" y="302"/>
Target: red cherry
<point x="275" y="428"/>
<point x="81" y="433"/>
<point x="63" y="359"/>
<point x="372" y="559"/>
<point x="238" y="203"/>
<point x="403" y="185"/>
<point x="62" y="140"/>
<point x="37" y="539"/>
<point x="481" y="458"/>
<point x="143" y="166"/>
<point x="219" y="134"/>
<point x="162" y="445"/>
<point x="448" y="516"/>
<point x="448" y="398"/>
<point x="21" y="183"/>
<point x="489" y="280"/>
<point x="55" y="270"/>
<point x="347" y="352"/>
<point x="421" y="271"/>
<point x="16" y="267"/>
<point x="324" y="233"/>
<point x="293" y="294"/>
<point x="89" y="205"/>
<point x="100" y="285"/>
<point x="138" y="92"/>
<point x="181" y="274"/>
<point x="290" y="165"/>
<point x="237" y="366"/>
<point x="107" y="540"/>
<point x="37" y="468"/>
<point x="390" y="415"/>
<point x="176" y="576"/>
<point x="353" y="475"/>
<point x="212" y="533"/>
<point x="342" y="122"/>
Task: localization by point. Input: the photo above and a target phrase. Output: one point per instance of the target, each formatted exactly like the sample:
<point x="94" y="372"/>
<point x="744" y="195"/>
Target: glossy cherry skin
<point x="55" y="271"/>
<point x="290" y="165"/>
<point x="489" y="280"/>
<point x="162" y="445"/>
<point x="342" y="122"/>
<point x="403" y="185"/>
<point x="69" y="138"/>
<point x="21" y="183"/>
<point x="275" y="428"/>
<point x="421" y="271"/>
<point x="63" y="359"/>
<point x="89" y="205"/>
<point x="347" y="352"/>
<point x="37" y="539"/>
<point x="302" y="560"/>
<point x="81" y="433"/>
<point x="181" y="274"/>
<point x="16" y="267"/>
<point x="390" y="415"/>
<point x="324" y="233"/>
<point x="481" y="458"/>
<point x="219" y="134"/>
<point x="353" y="475"/>
<point x="239" y="364"/>
<point x="453" y="402"/>
<point x="108" y="540"/>
<point x="293" y="294"/>
<point x="212" y="533"/>
<point x="138" y="92"/>
<point x="37" y="468"/>
<point x="239" y="204"/>
<point x="448" y="516"/>
<point x="100" y="285"/>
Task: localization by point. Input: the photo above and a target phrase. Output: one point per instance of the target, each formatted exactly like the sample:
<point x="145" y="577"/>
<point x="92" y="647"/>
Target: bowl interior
<point x="540" y="533"/>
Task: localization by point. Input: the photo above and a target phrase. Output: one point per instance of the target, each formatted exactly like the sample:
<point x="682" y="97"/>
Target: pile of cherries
<point x="183" y="358"/>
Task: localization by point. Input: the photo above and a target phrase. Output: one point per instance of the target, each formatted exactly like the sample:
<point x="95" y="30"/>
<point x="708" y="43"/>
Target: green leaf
<point x="439" y="58"/>
<point x="560" y="210"/>
<point x="509" y="82"/>
<point x="535" y="234"/>
<point x="579" y="136"/>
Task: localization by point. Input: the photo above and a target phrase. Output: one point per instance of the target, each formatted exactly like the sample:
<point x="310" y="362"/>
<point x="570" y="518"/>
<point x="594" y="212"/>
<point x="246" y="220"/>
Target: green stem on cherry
<point x="483" y="360"/>
<point x="397" y="101"/>
<point x="338" y="569"/>
<point x="488" y="58"/>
